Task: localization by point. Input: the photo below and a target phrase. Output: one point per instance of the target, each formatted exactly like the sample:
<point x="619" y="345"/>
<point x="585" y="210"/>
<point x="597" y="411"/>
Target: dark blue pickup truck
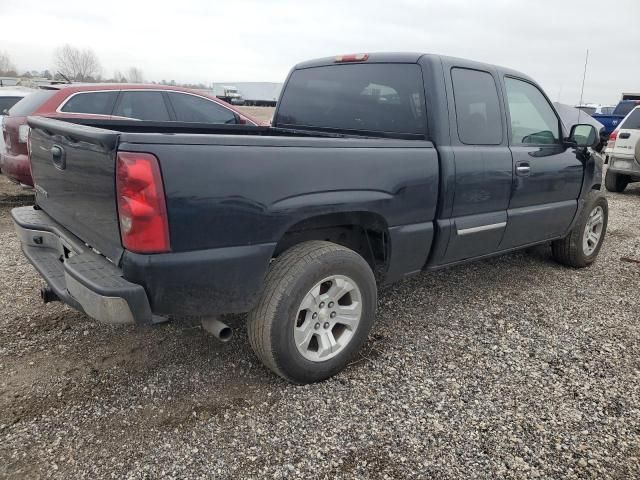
<point x="376" y="167"/>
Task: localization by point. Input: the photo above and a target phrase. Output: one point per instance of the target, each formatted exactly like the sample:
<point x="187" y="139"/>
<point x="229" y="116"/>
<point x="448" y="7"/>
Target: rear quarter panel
<point x="232" y="191"/>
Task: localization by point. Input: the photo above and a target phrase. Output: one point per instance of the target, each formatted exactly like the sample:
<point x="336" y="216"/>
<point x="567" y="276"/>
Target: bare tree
<point x="77" y="64"/>
<point x="135" y="75"/>
<point x="119" y="77"/>
<point x="6" y="65"/>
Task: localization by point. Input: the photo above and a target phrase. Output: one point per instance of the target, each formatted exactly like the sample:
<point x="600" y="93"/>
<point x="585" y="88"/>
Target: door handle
<point x="625" y="135"/>
<point x="523" y="169"/>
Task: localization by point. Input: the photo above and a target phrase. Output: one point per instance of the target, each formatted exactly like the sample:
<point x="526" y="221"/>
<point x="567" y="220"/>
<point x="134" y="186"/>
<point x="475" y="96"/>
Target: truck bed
<point x="232" y="195"/>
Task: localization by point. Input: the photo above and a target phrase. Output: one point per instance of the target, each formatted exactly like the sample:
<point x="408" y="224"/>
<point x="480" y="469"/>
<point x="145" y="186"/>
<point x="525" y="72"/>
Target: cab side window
<point x="191" y="108"/>
<point x="533" y="120"/>
<point x="97" y="103"/>
<point x="477" y="107"/>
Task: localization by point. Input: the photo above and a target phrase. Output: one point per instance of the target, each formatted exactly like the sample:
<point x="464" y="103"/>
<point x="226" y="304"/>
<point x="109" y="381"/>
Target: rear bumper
<point x="146" y="287"/>
<point x="81" y="278"/>
<point x="16" y="168"/>
<point x="626" y="165"/>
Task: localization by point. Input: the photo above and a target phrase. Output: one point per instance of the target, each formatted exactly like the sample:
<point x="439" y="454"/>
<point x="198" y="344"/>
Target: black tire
<point x="615" y="182"/>
<point x="570" y="250"/>
<point x="291" y="276"/>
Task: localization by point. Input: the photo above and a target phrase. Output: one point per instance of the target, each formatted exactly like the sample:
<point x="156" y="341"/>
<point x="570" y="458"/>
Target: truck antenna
<point x="584" y="76"/>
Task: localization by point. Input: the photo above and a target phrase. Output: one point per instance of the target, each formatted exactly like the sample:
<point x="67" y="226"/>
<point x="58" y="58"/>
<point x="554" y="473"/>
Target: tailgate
<point x="626" y="143"/>
<point x="73" y="169"/>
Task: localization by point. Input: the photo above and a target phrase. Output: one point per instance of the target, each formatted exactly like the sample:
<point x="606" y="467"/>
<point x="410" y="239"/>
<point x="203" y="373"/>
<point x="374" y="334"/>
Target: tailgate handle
<point x="58" y="157"/>
<point x="625" y="135"/>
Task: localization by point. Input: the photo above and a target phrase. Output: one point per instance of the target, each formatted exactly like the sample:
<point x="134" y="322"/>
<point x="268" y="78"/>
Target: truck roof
<point x="412" y="57"/>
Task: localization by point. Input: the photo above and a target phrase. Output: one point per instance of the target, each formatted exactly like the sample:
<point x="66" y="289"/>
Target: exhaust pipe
<point x="48" y="295"/>
<point x="218" y="329"/>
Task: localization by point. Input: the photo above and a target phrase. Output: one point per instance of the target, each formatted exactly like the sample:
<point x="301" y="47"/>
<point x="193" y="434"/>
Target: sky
<point x="200" y="41"/>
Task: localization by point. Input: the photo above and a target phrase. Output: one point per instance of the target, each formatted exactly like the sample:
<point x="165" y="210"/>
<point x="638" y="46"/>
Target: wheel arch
<point x="365" y="232"/>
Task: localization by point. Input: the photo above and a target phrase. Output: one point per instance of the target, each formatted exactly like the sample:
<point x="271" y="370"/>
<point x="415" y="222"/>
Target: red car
<point x="114" y="101"/>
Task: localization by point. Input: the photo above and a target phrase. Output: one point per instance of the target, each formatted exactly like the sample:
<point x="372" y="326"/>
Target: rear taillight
<point x="613" y="136"/>
<point x="142" y="210"/>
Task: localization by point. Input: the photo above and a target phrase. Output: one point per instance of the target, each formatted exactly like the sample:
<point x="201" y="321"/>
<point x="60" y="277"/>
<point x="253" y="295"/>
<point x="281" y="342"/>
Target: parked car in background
<point x="158" y="103"/>
<point x="8" y="98"/>
<point x="365" y="178"/>
<point x="611" y="121"/>
<point x="624" y="153"/>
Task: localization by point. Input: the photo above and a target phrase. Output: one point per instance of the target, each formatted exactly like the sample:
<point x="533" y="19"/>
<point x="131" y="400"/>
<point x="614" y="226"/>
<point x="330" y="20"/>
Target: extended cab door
<point x="482" y="163"/>
<point x="547" y="176"/>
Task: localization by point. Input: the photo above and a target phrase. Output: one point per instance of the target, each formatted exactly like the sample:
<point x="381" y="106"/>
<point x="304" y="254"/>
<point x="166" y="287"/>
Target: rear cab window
<point x="97" y="103"/>
<point x="29" y="104"/>
<point x="359" y="98"/>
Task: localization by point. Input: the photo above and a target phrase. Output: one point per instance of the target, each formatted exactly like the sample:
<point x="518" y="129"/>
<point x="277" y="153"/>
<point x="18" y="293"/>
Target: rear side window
<point x="100" y="103"/>
<point x="533" y="120"/>
<point x="477" y="107"/>
<point x="632" y="121"/>
<point x="7" y="102"/>
<point x="191" y="108"/>
<point x="624" y="108"/>
<point x="141" y="105"/>
<point x="362" y="97"/>
<point x="31" y="103"/>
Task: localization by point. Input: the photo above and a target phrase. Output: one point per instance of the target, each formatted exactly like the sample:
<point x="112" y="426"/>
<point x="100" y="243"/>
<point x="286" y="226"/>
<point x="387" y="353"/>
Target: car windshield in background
<point x="632" y="121"/>
<point x="385" y="98"/>
<point x="624" y="108"/>
<point x="7" y="102"/>
<point x="30" y="103"/>
<point x="589" y="110"/>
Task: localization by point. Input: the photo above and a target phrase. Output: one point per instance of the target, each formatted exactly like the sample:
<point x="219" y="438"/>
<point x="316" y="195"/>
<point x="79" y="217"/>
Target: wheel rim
<point x="593" y="231"/>
<point x="327" y="318"/>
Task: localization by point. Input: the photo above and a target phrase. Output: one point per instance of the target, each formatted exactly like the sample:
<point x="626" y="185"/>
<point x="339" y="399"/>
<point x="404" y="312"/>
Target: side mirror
<point x="584" y="135"/>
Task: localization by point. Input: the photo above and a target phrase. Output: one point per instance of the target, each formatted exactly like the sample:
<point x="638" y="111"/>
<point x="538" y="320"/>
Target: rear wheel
<point x="580" y="248"/>
<point x="615" y="182"/>
<point x="315" y="312"/>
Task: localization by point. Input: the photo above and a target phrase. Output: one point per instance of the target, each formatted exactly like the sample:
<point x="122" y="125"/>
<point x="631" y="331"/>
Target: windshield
<point x="589" y="110"/>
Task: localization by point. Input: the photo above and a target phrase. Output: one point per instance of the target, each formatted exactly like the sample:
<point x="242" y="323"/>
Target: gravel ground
<point x="513" y="367"/>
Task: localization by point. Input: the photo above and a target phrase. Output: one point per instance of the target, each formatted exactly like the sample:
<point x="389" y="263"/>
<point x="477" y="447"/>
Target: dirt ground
<point x="514" y="367"/>
<point x="261" y="113"/>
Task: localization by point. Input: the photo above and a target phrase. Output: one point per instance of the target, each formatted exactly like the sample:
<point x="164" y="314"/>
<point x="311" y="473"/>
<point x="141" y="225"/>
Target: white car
<point x="9" y="96"/>
<point x="623" y="153"/>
